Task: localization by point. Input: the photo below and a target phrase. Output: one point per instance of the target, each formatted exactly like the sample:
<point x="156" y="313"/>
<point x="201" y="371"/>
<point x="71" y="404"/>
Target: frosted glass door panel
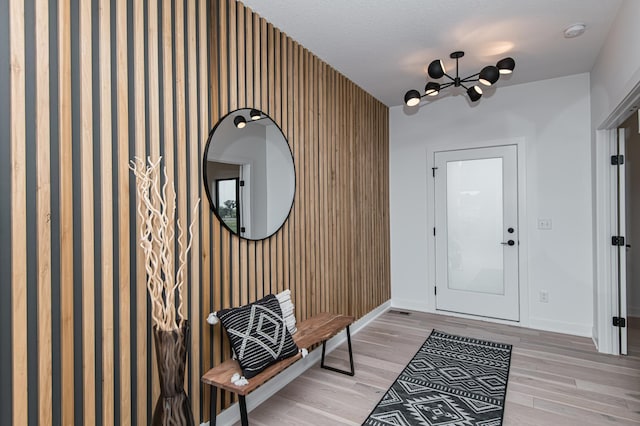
<point x="475" y="221"/>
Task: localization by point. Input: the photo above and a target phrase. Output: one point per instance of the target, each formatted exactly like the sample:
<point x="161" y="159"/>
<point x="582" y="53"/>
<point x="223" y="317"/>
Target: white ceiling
<point x="384" y="46"/>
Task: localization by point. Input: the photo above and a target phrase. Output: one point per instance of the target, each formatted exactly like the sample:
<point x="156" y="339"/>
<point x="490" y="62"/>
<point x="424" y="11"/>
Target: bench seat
<point x="315" y="330"/>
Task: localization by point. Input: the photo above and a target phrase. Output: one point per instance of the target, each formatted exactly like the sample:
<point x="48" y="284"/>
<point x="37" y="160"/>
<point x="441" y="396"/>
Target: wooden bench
<point x="312" y="331"/>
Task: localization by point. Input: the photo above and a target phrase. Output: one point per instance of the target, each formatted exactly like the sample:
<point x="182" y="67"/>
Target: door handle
<point x="508" y="243"/>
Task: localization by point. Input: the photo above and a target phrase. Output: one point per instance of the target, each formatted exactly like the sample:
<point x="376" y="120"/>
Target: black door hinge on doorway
<point x="617" y="160"/>
<point x="617" y="241"/>
<point x="619" y="322"/>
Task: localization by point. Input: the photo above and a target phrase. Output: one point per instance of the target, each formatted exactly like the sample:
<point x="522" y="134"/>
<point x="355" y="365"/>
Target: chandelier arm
<point x="445" y="85"/>
<point x="449" y="77"/>
<point x="465" y="87"/>
<point x="474" y="77"/>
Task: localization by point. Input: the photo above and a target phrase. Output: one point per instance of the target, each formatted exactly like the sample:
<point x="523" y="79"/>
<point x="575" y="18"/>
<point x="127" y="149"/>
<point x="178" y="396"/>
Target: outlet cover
<point x="544" y="296"/>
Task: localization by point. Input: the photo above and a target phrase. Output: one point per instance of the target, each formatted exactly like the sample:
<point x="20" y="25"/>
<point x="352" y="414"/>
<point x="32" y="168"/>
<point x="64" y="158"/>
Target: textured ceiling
<point x="384" y="46"/>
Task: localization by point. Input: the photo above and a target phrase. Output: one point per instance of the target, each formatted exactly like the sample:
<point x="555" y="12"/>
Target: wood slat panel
<point x="124" y="230"/>
<point x="205" y="234"/>
<point x="43" y="215"/>
<point x="292" y="136"/>
<point x="240" y="36"/>
<point x="153" y="131"/>
<point x="322" y="182"/>
<point x="313" y="179"/>
<point x="233" y="55"/>
<point x="66" y="211"/>
<point x="274" y="70"/>
<point x="18" y="215"/>
<point x="87" y="220"/>
<point x="257" y="55"/>
<point x="106" y="184"/>
<point x="248" y="46"/>
<point x="263" y="65"/>
<point x="140" y="152"/>
<point x="167" y="95"/>
<point x="180" y="183"/>
<point x="290" y="232"/>
<point x="214" y="92"/>
<point x="189" y="64"/>
<point x="300" y="190"/>
<point x="223" y="54"/>
<point x="242" y="103"/>
<point x="193" y="191"/>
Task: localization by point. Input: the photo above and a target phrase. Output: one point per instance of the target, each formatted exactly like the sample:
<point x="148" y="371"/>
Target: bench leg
<point x="214" y="403"/>
<point x="326" y="367"/>
<point x="244" y="418"/>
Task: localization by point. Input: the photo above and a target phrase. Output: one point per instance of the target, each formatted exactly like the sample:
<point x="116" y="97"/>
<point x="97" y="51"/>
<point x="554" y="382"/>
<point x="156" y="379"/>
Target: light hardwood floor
<point x="555" y="379"/>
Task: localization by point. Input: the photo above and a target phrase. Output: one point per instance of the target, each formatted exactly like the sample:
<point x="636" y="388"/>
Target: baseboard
<point x="409" y="304"/>
<point x="232" y="414"/>
<point x="575" y="329"/>
<point x="594" y="337"/>
<point x="583" y="330"/>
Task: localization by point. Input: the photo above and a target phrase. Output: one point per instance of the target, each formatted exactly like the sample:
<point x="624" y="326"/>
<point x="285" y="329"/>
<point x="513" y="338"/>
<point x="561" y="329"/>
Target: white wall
<point x="553" y="118"/>
<point x="617" y="69"/>
<point x="614" y="75"/>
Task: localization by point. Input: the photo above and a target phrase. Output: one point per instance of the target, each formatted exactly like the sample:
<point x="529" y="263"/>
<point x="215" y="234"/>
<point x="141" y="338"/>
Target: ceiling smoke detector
<point x="574" y="30"/>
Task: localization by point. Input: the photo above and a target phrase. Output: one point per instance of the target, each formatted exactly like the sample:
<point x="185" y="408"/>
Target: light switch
<point x="544" y="224"/>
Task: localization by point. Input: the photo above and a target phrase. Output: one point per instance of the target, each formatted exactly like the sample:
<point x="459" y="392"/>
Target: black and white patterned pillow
<point x="258" y="334"/>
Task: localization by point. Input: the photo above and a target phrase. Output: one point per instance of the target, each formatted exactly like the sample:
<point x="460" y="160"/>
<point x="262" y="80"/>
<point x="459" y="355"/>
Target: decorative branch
<point x="156" y="209"/>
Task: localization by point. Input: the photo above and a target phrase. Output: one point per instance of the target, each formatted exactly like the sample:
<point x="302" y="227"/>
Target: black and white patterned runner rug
<point x="451" y="381"/>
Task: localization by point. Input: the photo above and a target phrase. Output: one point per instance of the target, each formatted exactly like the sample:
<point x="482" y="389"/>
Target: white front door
<point x="476" y="228"/>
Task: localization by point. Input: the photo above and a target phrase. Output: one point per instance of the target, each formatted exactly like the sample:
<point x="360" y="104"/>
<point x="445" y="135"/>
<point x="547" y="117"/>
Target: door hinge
<point x="619" y="322"/>
<point x="435" y="290"/>
<point x="434" y="231"/>
<point x="617" y="240"/>
<point x="242" y="229"/>
<point x="433" y="171"/>
<point x="617" y="160"/>
<point x="241" y="183"/>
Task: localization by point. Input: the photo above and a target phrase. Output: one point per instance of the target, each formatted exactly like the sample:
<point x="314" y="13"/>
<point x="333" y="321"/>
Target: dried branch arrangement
<point x="156" y="208"/>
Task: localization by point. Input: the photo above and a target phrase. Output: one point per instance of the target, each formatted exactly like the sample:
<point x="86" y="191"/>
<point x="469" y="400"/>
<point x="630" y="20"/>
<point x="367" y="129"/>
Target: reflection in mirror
<point x="249" y="174"/>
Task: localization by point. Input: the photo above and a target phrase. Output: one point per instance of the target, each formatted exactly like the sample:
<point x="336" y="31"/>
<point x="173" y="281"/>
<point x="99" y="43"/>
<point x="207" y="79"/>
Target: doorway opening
<point x="615" y="290"/>
<point x="630" y="133"/>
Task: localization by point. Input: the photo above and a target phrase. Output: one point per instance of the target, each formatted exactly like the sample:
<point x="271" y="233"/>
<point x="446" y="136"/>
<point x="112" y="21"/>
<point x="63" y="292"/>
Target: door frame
<point x="605" y="303"/>
<point x="523" y="224"/>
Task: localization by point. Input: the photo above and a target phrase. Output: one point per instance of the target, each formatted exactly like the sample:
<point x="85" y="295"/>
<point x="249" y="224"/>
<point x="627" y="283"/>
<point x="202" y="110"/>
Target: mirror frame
<point x="206" y="186"/>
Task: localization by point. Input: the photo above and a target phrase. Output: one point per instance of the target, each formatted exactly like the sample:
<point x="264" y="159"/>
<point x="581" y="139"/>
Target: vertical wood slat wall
<point x="333" y="251"/>
<point x="113" y="79"/>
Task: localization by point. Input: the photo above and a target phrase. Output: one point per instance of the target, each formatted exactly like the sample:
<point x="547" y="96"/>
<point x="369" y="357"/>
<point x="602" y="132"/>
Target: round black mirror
<point x="249" y="174"/>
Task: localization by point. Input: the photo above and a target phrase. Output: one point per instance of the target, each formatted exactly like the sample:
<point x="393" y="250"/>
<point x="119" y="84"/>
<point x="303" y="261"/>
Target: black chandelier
<point x="487" y="76"/>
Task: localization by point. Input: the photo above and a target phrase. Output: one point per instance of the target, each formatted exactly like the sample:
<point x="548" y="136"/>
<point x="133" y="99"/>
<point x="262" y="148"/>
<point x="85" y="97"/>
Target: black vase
<point x="173" y="406"/>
